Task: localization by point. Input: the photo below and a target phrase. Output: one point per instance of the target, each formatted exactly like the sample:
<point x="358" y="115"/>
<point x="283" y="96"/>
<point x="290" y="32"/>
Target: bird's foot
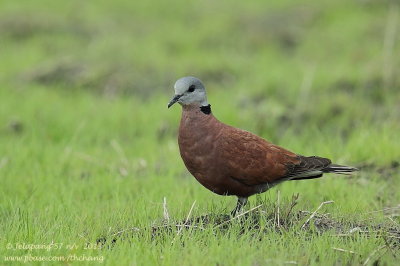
<point x="238" y="209"/>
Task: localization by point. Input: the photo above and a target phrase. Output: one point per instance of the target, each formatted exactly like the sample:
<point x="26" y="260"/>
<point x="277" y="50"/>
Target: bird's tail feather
<point x="339" y="169"/>
<point x="331" y="168"/>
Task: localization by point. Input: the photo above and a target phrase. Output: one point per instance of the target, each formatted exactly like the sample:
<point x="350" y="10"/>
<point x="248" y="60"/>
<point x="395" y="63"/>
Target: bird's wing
<point x="254" y="161"/>
<point x="309" y="167"/>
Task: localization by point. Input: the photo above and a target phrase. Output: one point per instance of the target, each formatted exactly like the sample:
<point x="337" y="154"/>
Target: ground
<point x="89" y="162"/>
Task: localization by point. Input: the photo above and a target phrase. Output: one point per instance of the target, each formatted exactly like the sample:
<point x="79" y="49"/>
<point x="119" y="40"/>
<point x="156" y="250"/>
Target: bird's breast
<point x="196" y="151"/>
<point x="197" y="138"/>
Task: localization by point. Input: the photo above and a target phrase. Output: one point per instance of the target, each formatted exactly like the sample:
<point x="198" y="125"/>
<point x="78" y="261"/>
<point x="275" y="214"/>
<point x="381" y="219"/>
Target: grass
<point x="88" y="149"/>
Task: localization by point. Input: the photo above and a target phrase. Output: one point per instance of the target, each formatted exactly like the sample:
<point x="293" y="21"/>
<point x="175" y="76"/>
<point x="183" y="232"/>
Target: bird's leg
<point x="240" y="203"/>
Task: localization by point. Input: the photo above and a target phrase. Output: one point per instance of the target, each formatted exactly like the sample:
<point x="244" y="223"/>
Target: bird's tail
<point x="339" y="169"/>
<point x="331" y="168"/>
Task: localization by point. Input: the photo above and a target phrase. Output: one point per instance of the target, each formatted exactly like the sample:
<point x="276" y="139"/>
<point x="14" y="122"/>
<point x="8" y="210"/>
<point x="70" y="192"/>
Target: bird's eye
<point x="191" y="88"/>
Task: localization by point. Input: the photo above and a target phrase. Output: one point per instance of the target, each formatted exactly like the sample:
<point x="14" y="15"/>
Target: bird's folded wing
<point x="252" y="160"/>
<point x="308" y="166"/>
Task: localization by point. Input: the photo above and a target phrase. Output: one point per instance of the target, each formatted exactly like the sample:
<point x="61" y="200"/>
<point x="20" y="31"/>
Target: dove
<point x="231" y="161"/>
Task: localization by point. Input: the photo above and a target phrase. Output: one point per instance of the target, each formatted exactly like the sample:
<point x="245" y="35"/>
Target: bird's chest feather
<point x="196" y="142"/>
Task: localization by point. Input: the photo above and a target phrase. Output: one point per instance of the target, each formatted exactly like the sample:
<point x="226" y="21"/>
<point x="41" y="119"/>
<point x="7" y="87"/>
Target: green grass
<point x="88" y="148"/>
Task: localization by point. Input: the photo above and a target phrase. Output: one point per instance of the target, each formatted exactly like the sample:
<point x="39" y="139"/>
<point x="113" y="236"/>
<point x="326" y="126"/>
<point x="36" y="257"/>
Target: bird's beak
<point x="174" y="100"/>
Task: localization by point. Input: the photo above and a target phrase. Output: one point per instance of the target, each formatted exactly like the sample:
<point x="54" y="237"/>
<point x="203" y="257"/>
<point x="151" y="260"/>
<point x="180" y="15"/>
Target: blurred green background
<point x="299" y="64"/>
<point x="84" y="128"/>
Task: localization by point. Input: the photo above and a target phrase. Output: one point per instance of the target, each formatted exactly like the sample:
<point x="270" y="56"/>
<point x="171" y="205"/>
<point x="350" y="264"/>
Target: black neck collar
<point x="206" y="109"/>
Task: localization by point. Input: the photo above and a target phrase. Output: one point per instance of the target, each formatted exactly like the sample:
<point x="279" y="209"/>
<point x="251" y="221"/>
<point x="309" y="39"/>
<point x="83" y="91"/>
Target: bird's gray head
<point x="189" y="90"/>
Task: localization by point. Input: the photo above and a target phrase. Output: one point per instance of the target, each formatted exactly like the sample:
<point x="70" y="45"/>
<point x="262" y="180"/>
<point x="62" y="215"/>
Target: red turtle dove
<point x="232" y="161"/>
